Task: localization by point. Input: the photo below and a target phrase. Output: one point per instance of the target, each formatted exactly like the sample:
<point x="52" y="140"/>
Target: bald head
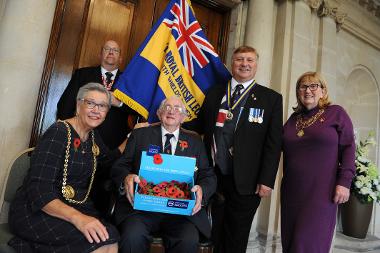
<point x="110" y="55"/>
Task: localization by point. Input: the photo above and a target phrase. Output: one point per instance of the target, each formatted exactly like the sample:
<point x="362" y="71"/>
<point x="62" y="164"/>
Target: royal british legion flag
<point x="174" y="59"/>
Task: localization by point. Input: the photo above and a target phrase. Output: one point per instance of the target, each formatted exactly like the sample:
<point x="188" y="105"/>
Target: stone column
<point x="259" y="34"/>
<point x="24" y="36"/>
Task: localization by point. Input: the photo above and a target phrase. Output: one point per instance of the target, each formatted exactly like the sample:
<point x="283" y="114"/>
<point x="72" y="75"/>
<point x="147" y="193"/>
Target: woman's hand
<point x="342" y="194"/>
<point x="91" y="227"/>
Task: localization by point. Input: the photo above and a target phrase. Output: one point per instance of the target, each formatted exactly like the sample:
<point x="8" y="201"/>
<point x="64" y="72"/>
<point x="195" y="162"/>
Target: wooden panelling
<point x="107" y="19"/>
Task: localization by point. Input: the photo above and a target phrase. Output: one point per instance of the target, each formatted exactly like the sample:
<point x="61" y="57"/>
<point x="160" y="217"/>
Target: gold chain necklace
<point x="301" y="124"/>
<point x="68" y="191"/>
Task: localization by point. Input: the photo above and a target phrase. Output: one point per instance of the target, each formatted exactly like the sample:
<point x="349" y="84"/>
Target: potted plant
<point x="365" y="190"/>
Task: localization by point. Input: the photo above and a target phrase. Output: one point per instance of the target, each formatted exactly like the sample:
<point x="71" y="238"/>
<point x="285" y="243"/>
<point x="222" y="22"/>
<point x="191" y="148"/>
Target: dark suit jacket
<point x="129" y="163"/>
<point x="115" y="128"/>
<point x="256" y="147"/>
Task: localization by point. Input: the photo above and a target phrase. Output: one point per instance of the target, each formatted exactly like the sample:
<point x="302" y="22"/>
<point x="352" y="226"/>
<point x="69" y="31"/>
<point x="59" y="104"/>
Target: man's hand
<point x="114" y="101"/>
<point x="91" y="228"/>
<point x="122" y="145"/>
<point x="263" y="190"/>
<point x="342" y="194"/>
<point x="198" y="203"/>
<point x="141" y="124"/>
<point x="129" y="186"/>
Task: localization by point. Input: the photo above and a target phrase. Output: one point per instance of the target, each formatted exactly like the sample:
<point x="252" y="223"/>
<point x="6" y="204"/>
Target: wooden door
<point x="80" y="27"/>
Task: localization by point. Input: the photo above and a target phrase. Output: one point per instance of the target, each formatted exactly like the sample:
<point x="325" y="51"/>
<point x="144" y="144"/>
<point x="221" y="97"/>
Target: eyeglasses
<point x="312" y="87"/>
<point x="111" y="49"/>
<point x="241" y="59"/>
<point x="175" y="109"/>
<point x="91" y="105"/>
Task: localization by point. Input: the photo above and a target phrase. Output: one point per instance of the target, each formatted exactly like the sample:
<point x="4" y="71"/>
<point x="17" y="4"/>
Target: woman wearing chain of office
<point x="319" y="154"/>
<point x="52" y="211"/>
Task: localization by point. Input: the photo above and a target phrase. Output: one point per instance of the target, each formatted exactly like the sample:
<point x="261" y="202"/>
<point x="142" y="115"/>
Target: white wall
<point x="24" y="35"/>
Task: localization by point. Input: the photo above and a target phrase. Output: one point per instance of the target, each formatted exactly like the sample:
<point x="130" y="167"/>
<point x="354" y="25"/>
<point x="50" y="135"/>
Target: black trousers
<point x="178" y="233"/>
<point x="232" y="218"/>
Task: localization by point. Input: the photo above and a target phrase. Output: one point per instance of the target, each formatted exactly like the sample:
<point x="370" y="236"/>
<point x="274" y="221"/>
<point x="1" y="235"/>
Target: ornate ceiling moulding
<point x="363" y="20"/>
<point x="328" y="8"/>
<point x="372" y="6"/>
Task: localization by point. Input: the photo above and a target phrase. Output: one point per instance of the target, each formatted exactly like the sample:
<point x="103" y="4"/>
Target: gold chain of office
<point x="68" y="191"/>
<point x="301" y="124"/>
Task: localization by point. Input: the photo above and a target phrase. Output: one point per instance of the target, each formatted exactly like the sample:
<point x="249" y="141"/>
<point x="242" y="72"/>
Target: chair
<point x="14" y="178"/>
<point x="205" y="245"/>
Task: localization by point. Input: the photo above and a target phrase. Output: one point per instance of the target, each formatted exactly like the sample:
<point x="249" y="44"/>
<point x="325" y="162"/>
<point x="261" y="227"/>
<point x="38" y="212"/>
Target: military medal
<point x="261" y="117"/>
<point x="230" y="105"/>
<point x="229" y="115"/>
<point x="250" y="117"/>
<point x="255" y="117"/>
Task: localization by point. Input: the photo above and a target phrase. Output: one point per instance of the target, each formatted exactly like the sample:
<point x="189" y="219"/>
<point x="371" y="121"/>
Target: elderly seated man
<point x="179" y="233"/>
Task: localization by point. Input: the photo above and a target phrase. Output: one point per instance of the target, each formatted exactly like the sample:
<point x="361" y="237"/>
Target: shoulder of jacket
<point x="268" y="90"/>
<point x="190" y="133"/>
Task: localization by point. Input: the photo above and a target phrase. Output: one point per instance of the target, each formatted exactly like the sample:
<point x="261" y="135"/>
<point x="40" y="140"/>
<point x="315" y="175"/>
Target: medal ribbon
<point x="228" y="95"/>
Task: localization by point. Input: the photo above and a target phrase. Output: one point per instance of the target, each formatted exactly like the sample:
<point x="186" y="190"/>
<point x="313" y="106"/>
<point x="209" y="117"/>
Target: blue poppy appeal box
<point x="166" y="177"/>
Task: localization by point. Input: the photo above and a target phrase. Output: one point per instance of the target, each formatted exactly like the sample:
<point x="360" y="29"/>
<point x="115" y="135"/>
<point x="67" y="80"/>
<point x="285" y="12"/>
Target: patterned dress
<point x="36" y="231"/>
<point x="313" y="165"/>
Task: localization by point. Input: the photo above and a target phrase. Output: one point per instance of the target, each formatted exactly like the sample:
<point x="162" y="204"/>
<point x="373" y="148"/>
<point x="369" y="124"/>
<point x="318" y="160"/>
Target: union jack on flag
<point x="191" y="41"/>
<point x="174" y="59"/>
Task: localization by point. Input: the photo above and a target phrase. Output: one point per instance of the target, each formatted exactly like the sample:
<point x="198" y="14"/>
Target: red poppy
<point x="143" y="182"/>
<point x="183" y="144"/>
<point x="171" y="191"/>
<point x="180" y="194"/>
<point x="156" y="189"/>
<point x="157" y="159"/>
<point x="76" y="143"/>
<point x="161" y="194"/>
<point x="163" y="184"/>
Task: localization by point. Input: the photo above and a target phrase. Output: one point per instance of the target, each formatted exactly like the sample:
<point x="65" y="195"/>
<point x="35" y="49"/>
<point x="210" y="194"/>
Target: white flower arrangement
<point x="366" y="183"/>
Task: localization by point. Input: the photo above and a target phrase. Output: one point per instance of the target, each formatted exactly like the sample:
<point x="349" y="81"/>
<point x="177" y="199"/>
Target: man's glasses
<point x="312" y="86"/>
<point x="91" y="105"/>
<point x="111" y="49"/>
<point x="175" y="109"/>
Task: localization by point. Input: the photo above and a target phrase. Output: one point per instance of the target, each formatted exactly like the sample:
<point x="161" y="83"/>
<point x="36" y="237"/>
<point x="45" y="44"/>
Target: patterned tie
<point x="237" y="93"/>
<point x="168" y="145"/>
<point x="109" y="75"/>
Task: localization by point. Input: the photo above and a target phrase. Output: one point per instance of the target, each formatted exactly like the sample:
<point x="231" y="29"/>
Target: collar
<point x="164" y="131"/>
<point x="114" y="72"/>
<point x="245" y="84"/>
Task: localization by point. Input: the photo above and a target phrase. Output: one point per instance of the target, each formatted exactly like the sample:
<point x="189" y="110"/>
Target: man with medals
<point x="244" y="144"/>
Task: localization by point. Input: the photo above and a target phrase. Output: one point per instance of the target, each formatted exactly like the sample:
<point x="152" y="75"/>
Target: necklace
<point x="68" y="191"/>
<point x="231" y="106"/>
<point x="301" y="124"/>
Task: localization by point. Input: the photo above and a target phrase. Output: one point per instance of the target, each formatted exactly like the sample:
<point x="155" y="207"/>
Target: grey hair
<point x="174" y="96"/>
<point x="93" y="87"/>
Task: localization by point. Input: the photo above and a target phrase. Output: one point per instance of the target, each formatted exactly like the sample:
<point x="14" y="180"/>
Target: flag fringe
<point x="131" y="103"/>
